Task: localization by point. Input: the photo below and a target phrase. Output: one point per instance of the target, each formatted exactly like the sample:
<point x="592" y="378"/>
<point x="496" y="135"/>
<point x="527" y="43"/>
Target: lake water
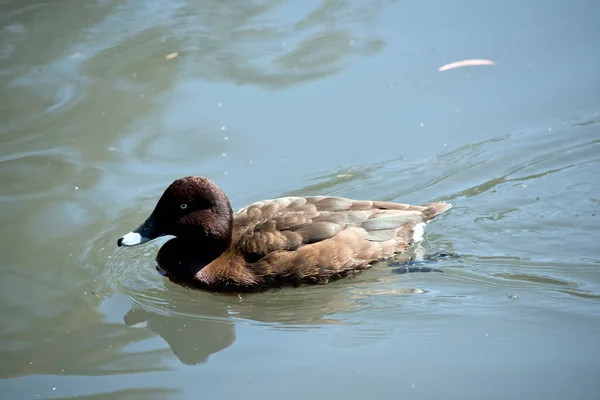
<point x="105" y="102"/>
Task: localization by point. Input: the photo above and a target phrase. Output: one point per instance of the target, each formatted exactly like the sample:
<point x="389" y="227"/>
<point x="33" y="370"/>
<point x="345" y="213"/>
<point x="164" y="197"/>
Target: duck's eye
<point x="183" y="206"/>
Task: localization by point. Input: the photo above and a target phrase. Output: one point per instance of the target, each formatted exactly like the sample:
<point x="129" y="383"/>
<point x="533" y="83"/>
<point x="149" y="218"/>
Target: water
<point x="104" y="103"/>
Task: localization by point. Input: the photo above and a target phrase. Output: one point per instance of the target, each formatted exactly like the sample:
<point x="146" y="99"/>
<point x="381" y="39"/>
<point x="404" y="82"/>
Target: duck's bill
<point x="133" y="238"/>
<point x="142" y="234"/>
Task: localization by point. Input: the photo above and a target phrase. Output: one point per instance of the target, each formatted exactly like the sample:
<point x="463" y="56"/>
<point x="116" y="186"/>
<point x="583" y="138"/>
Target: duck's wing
<point x="290" y="223"/>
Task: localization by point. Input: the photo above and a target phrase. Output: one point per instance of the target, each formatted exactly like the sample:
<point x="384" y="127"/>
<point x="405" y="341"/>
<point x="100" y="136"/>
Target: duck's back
<point x="315" y="239"/>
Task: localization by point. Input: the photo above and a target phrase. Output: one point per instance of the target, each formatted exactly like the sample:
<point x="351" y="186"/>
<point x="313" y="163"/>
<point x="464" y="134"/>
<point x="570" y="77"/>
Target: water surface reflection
<point x="184" y="318"/>
<point x="105" y="102"/>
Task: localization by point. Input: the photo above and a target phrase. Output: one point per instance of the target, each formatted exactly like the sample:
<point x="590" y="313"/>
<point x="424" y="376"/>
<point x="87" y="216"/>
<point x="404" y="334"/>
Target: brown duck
<point x="274" y="243"/>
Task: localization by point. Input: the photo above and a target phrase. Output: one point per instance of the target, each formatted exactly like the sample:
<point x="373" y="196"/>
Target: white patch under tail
<point x="418" y="232"/>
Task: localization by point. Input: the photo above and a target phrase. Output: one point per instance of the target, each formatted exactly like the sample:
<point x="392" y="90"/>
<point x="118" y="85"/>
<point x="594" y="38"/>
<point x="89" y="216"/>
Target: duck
<point x="286" y="241"/>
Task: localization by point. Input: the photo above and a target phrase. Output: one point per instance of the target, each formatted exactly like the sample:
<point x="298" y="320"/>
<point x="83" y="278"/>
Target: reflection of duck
<point x="206" y="324"/>
<point x="273" y="243"/>
<point x="191" y="340"/>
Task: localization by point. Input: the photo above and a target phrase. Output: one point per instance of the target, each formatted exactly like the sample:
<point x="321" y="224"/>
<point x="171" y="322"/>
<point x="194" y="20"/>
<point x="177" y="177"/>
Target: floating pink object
<point x="465" y="63"/>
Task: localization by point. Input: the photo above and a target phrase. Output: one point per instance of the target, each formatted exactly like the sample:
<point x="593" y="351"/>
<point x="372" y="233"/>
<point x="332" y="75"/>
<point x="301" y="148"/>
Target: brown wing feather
<point x="291" y="223"/>
<point x="312" y="240"/>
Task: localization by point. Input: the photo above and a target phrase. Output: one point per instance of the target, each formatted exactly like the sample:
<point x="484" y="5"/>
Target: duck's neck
<point x="184" y="258"/>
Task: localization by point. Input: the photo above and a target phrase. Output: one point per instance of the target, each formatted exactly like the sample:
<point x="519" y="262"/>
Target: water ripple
<point x="132" y="274"/>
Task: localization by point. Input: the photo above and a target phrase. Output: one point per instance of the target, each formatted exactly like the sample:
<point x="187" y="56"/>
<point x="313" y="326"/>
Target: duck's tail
<point x="435" y="209"/>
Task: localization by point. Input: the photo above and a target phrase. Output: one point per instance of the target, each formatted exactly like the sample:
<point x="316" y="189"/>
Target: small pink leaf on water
<point x="465" y="63"/>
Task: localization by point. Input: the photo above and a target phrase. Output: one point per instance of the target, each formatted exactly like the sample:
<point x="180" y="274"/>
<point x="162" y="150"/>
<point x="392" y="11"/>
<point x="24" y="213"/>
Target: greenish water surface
<point x="104" y="103"/>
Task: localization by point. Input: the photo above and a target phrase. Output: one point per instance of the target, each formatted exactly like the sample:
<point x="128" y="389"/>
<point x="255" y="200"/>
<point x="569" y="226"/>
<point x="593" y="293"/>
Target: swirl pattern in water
<point x="133" y="274"/>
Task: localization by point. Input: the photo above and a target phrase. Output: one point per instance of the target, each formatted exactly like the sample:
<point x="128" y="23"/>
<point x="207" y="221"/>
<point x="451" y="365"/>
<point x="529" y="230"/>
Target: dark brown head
<point x="194" y="210"/>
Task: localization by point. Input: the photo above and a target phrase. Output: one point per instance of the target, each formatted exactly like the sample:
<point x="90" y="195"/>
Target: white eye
<point x="183" y="206"/>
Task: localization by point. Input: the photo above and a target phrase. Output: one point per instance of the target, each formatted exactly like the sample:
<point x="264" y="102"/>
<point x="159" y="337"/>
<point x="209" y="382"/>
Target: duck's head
<point x="192" y="209"/>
